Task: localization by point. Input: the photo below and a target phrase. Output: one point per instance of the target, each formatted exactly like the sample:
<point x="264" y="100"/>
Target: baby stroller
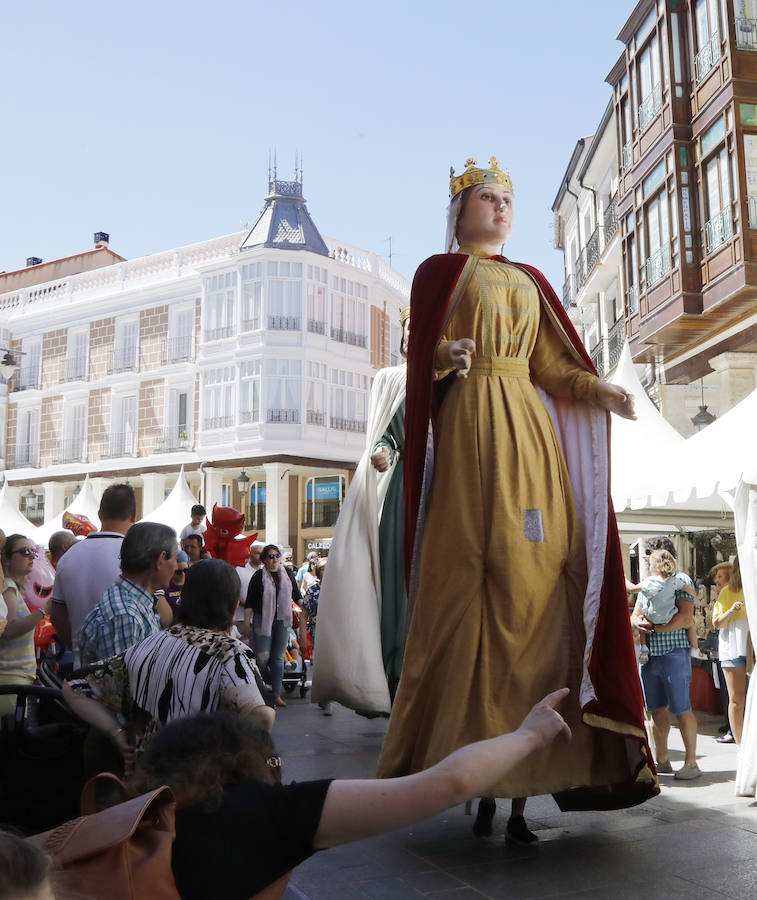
<point x="295" y="667"/>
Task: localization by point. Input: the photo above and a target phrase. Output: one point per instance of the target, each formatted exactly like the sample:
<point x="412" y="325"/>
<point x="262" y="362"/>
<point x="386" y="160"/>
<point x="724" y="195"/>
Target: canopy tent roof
<point x="84" y="504"/>
<point x="11" y="520"/>
<point x="176" y="510"/>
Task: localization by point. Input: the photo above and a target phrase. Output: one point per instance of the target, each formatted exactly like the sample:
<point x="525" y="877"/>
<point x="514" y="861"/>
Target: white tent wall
<point x="12" y="521"/>
<point x="176" y="510"/>
<point x="84" y="504"/>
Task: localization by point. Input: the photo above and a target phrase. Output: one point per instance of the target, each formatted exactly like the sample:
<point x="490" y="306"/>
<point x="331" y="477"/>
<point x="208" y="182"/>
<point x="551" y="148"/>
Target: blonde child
<point x="658" y="592"/>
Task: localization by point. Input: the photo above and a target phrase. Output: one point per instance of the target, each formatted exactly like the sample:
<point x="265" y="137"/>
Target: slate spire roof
<point x="285" y="222"/>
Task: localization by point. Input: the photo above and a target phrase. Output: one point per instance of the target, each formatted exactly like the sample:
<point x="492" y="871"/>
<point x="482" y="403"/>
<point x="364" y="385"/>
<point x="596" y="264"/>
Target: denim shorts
<point x="666" y="679"/>
<point x="735" y="663"/>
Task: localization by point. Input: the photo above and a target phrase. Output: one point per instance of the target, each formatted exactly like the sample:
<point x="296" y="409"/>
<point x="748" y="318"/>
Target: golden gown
<point x="498" y="617"/>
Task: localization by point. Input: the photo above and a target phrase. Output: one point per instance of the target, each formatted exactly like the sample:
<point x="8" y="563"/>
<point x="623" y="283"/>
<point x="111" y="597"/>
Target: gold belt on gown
<point x="513" y="367"/>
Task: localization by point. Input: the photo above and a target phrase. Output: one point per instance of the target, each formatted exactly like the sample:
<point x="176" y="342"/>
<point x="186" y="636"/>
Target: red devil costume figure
<point x="532" y="598"/>
<point x="221" y="538"/>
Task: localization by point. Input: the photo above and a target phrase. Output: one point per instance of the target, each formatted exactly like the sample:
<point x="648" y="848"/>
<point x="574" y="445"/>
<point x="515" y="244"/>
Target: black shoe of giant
<point x="482" y="827"/>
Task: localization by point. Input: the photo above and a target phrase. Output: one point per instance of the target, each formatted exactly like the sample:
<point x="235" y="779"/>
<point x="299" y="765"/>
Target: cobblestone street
<point x="696" y="840"/>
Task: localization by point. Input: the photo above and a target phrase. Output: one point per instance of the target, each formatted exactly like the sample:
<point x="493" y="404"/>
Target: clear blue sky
<point x="153" y="121"/>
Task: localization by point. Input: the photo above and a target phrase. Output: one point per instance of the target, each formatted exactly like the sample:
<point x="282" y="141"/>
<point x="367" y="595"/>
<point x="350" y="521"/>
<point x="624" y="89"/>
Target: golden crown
<point x="473" y="175"/>
<point x="404" y="315"/>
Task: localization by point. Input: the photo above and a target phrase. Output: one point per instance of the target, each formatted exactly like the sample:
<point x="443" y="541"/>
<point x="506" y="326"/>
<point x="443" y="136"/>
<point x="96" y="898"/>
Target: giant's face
<point x="487" y="217"/>
<point x="39" y="583"/>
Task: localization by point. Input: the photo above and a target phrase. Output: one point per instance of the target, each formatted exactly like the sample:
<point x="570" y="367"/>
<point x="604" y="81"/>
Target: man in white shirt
<point x="91" y="566"/>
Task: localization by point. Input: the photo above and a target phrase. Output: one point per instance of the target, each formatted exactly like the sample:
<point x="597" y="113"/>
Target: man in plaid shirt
<point x="666" y="676"/>
<point x="127" y="611"/>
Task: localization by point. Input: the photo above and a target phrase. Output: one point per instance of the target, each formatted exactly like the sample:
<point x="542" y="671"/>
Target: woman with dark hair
<point x="18" y="664"/>
<point x="194" y="666"/>
<point x="269" y="604"/>
<point x="231" y="802"/>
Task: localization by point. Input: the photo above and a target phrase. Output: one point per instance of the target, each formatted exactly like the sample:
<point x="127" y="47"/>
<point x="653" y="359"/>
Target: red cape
<point x="612" y="666"/>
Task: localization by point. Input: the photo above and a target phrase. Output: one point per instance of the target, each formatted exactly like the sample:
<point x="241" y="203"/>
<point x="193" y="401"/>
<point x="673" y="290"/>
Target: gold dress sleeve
<point x="554" y="370"/>
<point x="441" y="370"/>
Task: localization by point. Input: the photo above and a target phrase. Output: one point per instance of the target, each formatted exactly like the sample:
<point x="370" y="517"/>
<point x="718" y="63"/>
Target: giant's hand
<point x="616" y="400"/>
<point x="460" y="356"/>
<point x="380" y="459"/>
<point x="544" y="724"/>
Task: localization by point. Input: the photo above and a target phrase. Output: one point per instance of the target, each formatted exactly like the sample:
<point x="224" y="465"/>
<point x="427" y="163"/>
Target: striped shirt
<point x="17" y="656"/>
<point x="124" y="616"/>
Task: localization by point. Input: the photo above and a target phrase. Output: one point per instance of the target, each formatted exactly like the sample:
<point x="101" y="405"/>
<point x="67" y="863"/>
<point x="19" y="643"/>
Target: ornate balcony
<point x="283" y="323"/>
<point x="123" y="359"/>
<point x="616" y="337"/>
<point x="718" y="230"/>
<point x="249" y="416"/>
<point x="73" y="368"/>
<point x="27" y="379"/>
<point x="658" y="265"/>
<point x="705" y="60"/>
<point x="178" y="349"/>
<point x="349" y="337"/>
<point x="598" y="358"/>
<point x="633" y="298"/>
<point x="71" y="450"/>
<point x="315" y="417"/>
<point x="626" y="156"/>
<point x="649" y="107"/>
<point x="341" y="424"/>
<point x="567" y="292"/>
<point x="176" y="437"/>
<point x="283" y="416"/>
<point x="21" y="456"/>
<point x="213" y="422"/>
<point x="316" y="326"/>
<point x="611" y="220"/>
<point x="746" y="33"/>
<point x="118" y="445"/>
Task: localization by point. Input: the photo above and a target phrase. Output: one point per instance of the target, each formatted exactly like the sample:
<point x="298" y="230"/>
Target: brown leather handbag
<point x="121" y="853"/>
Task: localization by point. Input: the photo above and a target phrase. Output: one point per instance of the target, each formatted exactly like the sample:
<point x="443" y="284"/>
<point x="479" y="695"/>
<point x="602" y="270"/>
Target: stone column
<point x="55" y="492"/>
<point x="736" y="376"/>
<point x="153" y="491"/>
<point x="213" y="482"/>
<point x="277" y="503"/>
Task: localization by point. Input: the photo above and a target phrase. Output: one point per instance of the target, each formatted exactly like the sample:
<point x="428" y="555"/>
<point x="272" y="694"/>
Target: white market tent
<point x="176" y="510"/>
<point x="84" y="504"/>
<point x="11" y="520"/>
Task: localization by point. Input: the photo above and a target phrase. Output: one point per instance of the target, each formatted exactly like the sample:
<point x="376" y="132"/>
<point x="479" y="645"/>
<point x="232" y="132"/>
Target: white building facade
<point x="253" y="351"/>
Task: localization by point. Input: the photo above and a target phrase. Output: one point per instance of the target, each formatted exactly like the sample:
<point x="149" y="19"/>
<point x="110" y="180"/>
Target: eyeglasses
<point x="26" y="551"/>
<point x="274" y="556"/>
<point x="181" y="571"/>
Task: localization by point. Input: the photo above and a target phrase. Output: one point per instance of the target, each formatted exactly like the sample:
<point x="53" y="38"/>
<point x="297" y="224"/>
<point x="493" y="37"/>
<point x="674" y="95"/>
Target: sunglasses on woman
<point x="274" y="556"/>
<point x="26" y="551"/>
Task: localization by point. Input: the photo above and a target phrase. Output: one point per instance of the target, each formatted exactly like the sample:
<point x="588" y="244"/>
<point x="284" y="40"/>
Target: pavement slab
<point x="696" y="840"/>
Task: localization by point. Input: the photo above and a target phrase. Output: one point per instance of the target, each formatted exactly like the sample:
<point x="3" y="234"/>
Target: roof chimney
<point x="33" y="261"/>
<point x="102" y="239"/>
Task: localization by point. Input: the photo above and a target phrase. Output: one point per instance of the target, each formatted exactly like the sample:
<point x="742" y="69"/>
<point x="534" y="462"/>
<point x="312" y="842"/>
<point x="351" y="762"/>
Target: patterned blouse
<point x="174" y="673"/>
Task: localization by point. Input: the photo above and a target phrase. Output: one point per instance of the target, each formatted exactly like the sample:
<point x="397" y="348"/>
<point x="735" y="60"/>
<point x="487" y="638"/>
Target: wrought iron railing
<point x="746" y="33"/>
<point x="592" y="250"/>
<point x="74" y="368"/>
<point x="214" y="422"/>
<point x="71" y="450"/>
<point x="567" y="291"/>
<point x="579" y="272"/>
<point x="611" y="220"/>
<point x="249" y="416"/>
<point x="598" y="358"/>
<point x="316" y="326"/>
<point x="217" y="334"/>
<point x="123" y="359"/>
<point x="649" y="107"/>
<point x="341" y="424"/>
<point x="626" y="156"/>
<point x="283" y="416"/>
<point x="319" y="518"/>
<point x="315" y="417"/>
<point x="251" y="324"/>
<point x="752" y="204"/>
<point x="116" y="445"/>
<point x="658" y="265"/>
<point x="349" y="337"/>
<point x="284" y="323"/>
<point x="175" y="437"/>
<point x="22" y="455"/>
<point x="616" y="337"/>
<point x="718" y="230"/>
<point x="704" y="61"/>
<point x="178" y="349"/>
<point x="633" y="298"/>
<point x="27" y="379"/>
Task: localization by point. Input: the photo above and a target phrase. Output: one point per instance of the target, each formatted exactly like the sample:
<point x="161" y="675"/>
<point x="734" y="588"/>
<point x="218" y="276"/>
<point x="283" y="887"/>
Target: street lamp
<point x="8" y="364"/>
<point x="704" y="417"/>
<point x="243" y="484"/>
